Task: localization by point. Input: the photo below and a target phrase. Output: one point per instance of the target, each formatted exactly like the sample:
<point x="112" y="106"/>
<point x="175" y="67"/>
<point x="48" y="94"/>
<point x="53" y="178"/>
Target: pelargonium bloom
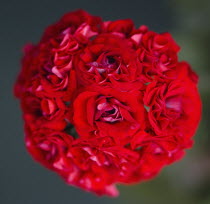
<point x="106" y="103"/>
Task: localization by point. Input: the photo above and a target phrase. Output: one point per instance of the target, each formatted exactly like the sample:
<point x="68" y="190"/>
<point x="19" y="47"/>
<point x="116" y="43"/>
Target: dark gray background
<point x="22" y="181"/>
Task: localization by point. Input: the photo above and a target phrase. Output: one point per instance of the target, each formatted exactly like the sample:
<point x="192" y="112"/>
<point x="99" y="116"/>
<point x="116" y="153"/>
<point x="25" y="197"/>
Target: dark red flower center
<point x="108" y="110"/>
<point x="105" y="64"/>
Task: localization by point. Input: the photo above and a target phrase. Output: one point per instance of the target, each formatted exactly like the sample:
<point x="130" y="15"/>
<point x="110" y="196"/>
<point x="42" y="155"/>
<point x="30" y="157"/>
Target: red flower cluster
<point x="105" y="102"/>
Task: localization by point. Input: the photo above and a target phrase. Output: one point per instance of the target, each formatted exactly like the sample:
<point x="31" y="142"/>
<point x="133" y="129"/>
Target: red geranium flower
<point x="105" y="102"/>
<point x="109" y="60"/>
<point x="107" y="112"/>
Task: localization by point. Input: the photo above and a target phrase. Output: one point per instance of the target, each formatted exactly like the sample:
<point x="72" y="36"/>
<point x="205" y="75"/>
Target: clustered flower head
<point x="105" y="103"/>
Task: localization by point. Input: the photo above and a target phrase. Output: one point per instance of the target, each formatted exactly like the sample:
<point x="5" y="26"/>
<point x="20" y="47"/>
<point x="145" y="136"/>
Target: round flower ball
<point x="106" y="103"/>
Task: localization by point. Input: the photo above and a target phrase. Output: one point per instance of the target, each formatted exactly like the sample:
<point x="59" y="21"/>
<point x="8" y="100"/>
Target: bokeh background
<point x="22" y="181"/>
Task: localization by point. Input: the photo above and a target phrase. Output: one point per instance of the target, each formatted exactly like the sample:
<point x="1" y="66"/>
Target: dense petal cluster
<point x="105" y="102"/>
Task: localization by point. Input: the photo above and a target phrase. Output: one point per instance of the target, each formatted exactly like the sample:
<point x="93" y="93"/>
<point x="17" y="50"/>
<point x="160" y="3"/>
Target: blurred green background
<point x="22" y="181"/>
